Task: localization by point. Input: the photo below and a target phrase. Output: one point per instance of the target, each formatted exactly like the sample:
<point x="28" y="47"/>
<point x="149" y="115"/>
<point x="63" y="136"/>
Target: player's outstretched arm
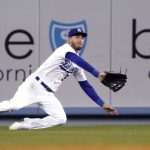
<point x="89" y="90"/>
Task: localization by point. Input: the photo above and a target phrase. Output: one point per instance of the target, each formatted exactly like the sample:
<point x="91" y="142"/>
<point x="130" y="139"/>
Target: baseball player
<point x="41" y="85"/>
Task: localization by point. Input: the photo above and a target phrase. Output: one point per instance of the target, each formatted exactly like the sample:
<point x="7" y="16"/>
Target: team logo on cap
<point x="79" y="30"/>
<point x="58" y="33"/>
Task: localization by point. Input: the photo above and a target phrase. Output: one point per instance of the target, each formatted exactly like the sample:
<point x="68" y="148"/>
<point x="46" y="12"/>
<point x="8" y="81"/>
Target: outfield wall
<point x="118" y="36"/>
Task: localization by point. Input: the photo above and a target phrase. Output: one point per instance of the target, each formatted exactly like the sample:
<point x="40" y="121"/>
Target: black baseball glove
<point x="114" y="81"/>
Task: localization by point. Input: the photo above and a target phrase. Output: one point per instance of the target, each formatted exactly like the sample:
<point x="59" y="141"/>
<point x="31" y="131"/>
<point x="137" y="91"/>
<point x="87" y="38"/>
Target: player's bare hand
<point x="110" y="109"/>
<point x="101" y="76"/>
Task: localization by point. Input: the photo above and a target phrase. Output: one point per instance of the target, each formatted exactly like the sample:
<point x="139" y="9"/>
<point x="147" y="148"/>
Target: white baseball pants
<point x="32" y="92"/>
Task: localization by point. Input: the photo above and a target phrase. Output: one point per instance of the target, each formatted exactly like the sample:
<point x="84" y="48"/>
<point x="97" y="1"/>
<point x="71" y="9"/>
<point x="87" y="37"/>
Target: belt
<point x="44" y="85"/>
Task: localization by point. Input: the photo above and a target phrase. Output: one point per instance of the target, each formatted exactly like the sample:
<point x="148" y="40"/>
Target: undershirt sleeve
<point x="82" y="63"/>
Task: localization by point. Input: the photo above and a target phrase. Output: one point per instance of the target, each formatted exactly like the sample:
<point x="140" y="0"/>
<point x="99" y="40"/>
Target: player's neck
<point x="76" y="50"/>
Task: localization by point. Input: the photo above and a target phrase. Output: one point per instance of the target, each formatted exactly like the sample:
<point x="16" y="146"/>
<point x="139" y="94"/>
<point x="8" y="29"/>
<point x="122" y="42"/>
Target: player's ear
<point x="69" y="39"/>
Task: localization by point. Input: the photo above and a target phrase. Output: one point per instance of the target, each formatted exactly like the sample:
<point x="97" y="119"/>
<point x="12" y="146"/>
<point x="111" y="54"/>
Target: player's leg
<point x="5" y="106"/>
<point x="20" y="99"/>
<point x="13" y="104"/>
<point x="56" y="115"/>
<point x="17" y="102"/>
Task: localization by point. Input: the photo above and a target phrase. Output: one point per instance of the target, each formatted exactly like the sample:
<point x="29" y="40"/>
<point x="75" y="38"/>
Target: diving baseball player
<point x="41" y="85"/>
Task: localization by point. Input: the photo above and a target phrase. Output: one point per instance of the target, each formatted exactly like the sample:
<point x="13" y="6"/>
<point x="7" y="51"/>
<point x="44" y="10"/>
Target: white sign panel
<point x="131" y="50"/>
<point x="18" y="44"/>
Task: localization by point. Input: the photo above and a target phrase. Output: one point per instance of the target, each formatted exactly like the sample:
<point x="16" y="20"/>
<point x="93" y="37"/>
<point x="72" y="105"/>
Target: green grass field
<point x="110" y="135"/>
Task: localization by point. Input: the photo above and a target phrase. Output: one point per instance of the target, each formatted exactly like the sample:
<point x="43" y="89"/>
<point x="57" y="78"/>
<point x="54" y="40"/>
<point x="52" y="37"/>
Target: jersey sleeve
<point x="80" y="75"/>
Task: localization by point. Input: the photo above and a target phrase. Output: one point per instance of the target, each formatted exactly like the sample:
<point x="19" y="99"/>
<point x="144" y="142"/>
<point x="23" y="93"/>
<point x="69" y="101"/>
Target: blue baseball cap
<point x="76" y="31"/>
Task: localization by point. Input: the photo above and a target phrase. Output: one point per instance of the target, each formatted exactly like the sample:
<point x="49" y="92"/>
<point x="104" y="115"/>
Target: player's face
<point x="76" y="42"/>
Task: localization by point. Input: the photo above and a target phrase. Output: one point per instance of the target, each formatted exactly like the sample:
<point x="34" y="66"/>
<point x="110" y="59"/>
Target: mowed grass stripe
<point x="107" y="135"/>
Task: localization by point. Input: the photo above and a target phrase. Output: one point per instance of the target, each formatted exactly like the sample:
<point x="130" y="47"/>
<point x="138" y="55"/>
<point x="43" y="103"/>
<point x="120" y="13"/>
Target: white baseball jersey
<point x="56" y="68"/>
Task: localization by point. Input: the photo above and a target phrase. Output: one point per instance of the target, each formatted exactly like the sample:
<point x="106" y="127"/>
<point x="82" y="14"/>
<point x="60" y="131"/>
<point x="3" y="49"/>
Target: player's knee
<point x="56" y="120"/>
<point x="63" y="119"/>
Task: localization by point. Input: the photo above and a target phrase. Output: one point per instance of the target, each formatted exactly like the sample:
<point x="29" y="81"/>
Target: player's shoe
<point x="17" y="126"/>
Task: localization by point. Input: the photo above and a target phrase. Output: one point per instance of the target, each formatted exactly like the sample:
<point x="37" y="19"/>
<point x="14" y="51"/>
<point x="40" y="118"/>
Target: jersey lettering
<point x="68" y="67"/>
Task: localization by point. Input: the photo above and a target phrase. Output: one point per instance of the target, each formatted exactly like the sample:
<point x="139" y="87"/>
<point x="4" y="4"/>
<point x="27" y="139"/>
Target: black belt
<point x="44" y="85"/>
